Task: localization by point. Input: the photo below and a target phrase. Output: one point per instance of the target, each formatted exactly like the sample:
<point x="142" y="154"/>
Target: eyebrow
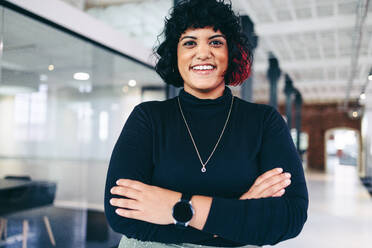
<point x="212" y="37"/>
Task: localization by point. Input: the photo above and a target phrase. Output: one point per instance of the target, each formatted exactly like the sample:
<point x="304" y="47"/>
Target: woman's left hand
<point x="145" y="202"/>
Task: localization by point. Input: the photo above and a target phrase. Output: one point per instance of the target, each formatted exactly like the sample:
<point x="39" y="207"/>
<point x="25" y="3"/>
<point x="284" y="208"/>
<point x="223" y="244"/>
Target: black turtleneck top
<point x="154" y="147"/>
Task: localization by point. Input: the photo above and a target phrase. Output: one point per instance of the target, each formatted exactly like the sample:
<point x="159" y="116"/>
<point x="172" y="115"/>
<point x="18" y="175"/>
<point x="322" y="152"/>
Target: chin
<point x="206" y="85"/>
<point x="204" y="88"/>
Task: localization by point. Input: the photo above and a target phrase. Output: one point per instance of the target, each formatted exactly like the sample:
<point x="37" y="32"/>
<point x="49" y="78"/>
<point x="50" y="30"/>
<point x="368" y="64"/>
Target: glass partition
<point x="63" y="103"/>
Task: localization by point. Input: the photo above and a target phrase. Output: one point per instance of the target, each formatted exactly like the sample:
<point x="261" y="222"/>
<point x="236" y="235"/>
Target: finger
<point x="267" y="175"/>
<point x="244" y="196"/>
<point x="247" y="196"/>
<point x="279" y="193"/>
<point x="275" y="188"/>
<point x="132" y="214"/>
<point x="125" y="203"/>
<point x="260" y="191"/>
<point x="131" y="183"/>
<point x="271" y="181"/>
<point x="125" y="191"/>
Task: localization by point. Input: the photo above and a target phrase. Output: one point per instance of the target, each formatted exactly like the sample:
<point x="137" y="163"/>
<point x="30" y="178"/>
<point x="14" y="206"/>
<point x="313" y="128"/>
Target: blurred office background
<point x="71" y="72"/>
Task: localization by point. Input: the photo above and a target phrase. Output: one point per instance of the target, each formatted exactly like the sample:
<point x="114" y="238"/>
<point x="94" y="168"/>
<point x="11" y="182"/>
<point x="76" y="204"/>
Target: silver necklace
<point x="203" y="169"/>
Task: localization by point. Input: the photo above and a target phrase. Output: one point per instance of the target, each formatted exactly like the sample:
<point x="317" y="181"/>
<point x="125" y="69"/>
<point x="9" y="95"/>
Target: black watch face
<point x="182" y="212"/>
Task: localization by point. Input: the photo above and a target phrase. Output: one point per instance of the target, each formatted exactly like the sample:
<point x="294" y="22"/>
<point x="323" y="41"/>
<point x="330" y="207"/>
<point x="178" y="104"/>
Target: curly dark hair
<point x="200" y="14"/>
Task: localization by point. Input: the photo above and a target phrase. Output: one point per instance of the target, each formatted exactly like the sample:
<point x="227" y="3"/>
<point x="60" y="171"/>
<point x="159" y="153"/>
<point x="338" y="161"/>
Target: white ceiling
<point x="313" y="42"/>
<point x="30" y="46"/>
<point x="311" y="38"/>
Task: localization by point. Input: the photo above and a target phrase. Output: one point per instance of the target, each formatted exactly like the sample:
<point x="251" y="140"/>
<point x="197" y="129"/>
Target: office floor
<point x="340" y="211"/>
<point x="340" y="215"/>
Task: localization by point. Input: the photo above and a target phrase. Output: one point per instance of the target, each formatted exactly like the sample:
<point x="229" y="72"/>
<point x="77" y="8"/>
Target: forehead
<point x="200" y="32"/>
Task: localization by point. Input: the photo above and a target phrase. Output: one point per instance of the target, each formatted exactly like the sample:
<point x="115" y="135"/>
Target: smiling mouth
<point x="203" y="69"/>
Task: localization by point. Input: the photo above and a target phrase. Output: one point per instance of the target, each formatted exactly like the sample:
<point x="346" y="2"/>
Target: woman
<point x="204" y="169"/>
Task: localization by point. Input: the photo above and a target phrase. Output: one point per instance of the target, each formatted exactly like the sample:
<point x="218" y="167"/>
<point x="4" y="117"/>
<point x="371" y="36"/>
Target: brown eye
<point x="189" y="43"/>
<point x="216" y="43"/>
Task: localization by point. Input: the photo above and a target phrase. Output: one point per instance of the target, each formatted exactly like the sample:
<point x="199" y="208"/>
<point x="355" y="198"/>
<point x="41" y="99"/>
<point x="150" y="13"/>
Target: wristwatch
<point x="182" y="211"/>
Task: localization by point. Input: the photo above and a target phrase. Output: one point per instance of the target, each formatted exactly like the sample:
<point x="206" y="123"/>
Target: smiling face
<point x="202" y="57"/>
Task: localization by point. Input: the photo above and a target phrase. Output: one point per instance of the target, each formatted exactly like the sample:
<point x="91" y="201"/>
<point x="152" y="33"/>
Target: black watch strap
<point x="186" y="197"/>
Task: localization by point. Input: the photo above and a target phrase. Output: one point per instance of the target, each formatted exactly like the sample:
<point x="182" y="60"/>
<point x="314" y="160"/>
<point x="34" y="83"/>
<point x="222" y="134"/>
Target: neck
<point x="206" y="94"/>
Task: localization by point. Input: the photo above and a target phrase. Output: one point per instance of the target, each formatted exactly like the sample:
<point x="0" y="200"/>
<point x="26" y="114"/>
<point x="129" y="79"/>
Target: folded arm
<point x="132" y="159"/>
<point x="255" y="218"/>
<point x="266" y="220"/>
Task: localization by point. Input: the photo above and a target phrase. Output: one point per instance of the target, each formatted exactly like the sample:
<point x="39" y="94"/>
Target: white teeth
<point x="203" y="67"/>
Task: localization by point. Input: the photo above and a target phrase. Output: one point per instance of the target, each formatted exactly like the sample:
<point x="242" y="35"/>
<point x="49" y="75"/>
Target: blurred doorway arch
<point x="342" y="147"/>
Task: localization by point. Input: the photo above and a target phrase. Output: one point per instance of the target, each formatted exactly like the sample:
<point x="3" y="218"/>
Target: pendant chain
<point x="203" y="169"/>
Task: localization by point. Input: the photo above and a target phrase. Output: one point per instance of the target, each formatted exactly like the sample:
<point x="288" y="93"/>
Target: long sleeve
<point x="268" y="220"/>
<point x="132" y="159"/>
<point x="154" y="147"/>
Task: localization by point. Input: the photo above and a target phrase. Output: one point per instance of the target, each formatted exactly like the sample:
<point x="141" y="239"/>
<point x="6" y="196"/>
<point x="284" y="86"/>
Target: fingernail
<point x="279" y="169"/>
<point x="112" y="202"/>
<point x="287" y="174"/>
<point x="117" y="182"/>
<point x="287" y="181"/>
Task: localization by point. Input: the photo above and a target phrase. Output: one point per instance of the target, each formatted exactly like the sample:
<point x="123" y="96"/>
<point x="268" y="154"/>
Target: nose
<point x="204" y="52"/>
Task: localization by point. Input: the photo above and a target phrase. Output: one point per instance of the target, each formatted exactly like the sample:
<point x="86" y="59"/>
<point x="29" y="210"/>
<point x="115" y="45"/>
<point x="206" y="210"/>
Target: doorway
<point x="342" y="148"/>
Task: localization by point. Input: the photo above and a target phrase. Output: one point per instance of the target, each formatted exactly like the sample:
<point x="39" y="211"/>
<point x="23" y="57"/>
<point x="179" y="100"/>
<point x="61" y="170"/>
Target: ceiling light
<point x="81" y="76"/>
<point x="362" y="96"/>
<point x="132" y="83"/>
<point x="51" y="67"/>
<point x="370" y="77"/>
<point x="355" y="113"/>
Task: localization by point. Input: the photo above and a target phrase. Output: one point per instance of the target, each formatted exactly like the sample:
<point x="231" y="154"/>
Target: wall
<point x="316" y="120"/>
<point x="66" y="147"/>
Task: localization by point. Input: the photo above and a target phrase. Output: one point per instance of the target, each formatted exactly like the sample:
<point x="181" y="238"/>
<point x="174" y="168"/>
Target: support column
<point x="248" y="30"/>
<point x="288" y="91"/>
<point x="298" y="107"/>
<point x="273" y="74"/>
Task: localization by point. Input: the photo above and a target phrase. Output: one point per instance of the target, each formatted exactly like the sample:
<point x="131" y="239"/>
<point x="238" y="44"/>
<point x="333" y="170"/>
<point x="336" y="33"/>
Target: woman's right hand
<point x="270" y="184"/>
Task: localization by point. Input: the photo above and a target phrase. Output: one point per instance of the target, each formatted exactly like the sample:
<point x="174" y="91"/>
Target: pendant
<point x="203" y="169"/>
